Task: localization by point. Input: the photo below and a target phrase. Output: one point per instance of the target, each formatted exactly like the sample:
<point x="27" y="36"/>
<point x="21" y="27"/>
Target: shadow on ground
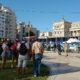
<point x="59" y="68"/>
<point x="46" y="57"/>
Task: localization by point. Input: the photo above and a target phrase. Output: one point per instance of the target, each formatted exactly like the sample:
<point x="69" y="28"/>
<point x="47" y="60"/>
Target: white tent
<point x="73" y="40"/>
<point x="42" y="37"/>
<point x="72" y="43"/>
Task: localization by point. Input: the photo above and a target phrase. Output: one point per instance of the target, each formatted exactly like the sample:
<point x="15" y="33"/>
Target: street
<point x="61" y="67"/>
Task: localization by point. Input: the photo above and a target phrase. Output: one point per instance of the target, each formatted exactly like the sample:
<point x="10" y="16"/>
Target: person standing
<point x="22" y="58"/>
<point x="66" y="48"/>
<point x="37" y="51"/>
<point x="59" y="48"/>
<point x="4" y="53"/>
<point x="14" y="54"/>
<point x="1" y="48"/>
<point x="54" y="47"/>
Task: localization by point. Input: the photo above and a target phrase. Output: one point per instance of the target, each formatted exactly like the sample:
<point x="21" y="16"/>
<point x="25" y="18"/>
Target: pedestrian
<point x="54" y="47"/>
<point x="30" y="49"/>
<point x="1" y="48"/>
<point x="66" y="48"/>
<point x="37" y="51"/>
<point x="59" y="48"/>
<point x="22" y="58"/>
<point x="14" y="54"/>
<point x="4" y="53"/>
<point x="9" y="44"/>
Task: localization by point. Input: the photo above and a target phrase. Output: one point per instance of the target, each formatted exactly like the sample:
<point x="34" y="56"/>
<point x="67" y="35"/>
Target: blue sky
<point x="43" y="13"/>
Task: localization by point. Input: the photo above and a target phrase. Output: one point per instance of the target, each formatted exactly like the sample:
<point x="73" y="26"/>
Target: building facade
<point x="61" y="28"/>
<point x="7" y="23"/>
<point x="23" y="30"/>
<point x="64" y="30"/>
<point x="75" y="30"/>
<point x="45" y="35"/>
<point x="61" y="31"/>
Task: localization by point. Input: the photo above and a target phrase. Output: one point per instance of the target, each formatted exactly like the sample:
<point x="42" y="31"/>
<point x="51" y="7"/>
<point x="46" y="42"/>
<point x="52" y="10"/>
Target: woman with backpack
<point x="22" y="58"/>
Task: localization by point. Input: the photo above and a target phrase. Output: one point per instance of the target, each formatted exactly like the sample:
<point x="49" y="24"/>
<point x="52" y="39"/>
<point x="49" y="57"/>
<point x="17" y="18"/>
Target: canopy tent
<point x="73" y="40"/>
<point x="42" y="37"/>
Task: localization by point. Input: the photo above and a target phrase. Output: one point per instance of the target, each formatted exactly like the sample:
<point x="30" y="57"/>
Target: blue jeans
<point x="36" y="66"/>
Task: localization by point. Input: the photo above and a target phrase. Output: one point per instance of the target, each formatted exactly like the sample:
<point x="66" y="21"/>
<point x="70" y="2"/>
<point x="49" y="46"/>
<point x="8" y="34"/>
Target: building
<point x="45" y="36"/>
<point x="74" y="31"/>
<point x="62" y="30"/>
<point x="23" y="30"/>
<point x="7" y="23"/>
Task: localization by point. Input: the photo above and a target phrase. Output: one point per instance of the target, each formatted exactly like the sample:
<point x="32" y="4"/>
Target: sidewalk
<point x="61" y="67"/>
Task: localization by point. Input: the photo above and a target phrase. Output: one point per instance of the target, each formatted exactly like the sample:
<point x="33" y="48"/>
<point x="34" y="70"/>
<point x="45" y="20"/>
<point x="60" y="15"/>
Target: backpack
<point x="23" y="49"/>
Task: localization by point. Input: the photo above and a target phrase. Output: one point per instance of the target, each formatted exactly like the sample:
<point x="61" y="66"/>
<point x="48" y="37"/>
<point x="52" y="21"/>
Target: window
<point x="55" y="32"/>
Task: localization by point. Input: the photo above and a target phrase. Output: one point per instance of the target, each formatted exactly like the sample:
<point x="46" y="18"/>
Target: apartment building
<point x="7" y="23"/>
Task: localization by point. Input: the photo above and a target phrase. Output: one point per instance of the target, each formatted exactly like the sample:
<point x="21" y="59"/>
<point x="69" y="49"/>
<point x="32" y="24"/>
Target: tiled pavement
<point x="61" y="67"/>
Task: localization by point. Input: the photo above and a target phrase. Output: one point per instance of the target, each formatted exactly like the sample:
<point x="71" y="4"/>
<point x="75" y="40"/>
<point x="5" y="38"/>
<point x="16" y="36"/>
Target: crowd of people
<point x="21" y="51"/>
<point x="57" y="47"/>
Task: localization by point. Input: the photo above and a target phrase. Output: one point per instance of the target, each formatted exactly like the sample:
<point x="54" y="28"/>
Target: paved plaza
<point x="61" y="67"/>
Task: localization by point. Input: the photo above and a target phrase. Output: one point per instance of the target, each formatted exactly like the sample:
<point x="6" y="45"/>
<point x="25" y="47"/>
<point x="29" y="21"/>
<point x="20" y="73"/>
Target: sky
<point x="43" y="13"/>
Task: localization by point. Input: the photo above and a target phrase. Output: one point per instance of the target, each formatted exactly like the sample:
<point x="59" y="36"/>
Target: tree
<point x="30" y="33"/>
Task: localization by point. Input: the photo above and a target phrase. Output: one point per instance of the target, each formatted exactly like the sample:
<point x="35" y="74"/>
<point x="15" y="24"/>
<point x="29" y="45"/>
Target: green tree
<point x="30" y="33"/>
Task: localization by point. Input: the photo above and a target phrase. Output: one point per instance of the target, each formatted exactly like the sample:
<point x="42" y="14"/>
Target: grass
<point x="10" y="74"/>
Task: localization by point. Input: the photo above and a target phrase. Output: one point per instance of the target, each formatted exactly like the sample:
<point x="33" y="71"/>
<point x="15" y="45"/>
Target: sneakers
<point x="34" y="75"/>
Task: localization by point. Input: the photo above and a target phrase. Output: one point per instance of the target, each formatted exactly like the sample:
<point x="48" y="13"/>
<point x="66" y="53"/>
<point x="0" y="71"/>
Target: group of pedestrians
<point x="59" y="49"/>
<point x="56" y="47"/>
<point x="21" y="51"/>
<point x="8" y="49"/>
